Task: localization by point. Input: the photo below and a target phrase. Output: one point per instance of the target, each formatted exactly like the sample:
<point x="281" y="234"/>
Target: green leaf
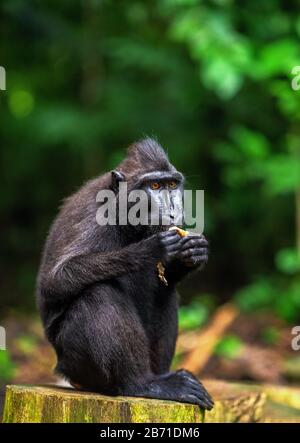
<point x="282" y="174"/>
<point x="270" y="335"/>
<point x="229" y="346"/>
<point x="257" y="295"/>
<point x="7" y="367"/>
<point x="192" y="316"/>
<point x="287" y="304"/>
<point x="288" y="260"/>
<point x="252" y="145"/>
<point x="26" y="343"/>
<point x="278" y="57"/>
<point x="222" y="76"/>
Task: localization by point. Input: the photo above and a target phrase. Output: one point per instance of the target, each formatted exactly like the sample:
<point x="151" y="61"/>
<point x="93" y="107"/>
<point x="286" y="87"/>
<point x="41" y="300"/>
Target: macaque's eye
<point x="172" y="185"/>
<point x="155" y="186"/>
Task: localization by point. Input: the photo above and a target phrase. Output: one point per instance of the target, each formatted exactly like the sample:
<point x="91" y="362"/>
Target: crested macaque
<point x="109" y="317"/>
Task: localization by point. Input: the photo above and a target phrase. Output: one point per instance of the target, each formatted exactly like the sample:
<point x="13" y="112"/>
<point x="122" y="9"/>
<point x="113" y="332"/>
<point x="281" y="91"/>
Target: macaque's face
<point x="155" y="199"/>
<point x="165" y="200"/>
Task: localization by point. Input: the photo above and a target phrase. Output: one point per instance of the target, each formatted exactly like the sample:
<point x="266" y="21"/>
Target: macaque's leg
<point x="166" y="330"/>
<point x="102" y="344"/>
<point x="103" y="347"/>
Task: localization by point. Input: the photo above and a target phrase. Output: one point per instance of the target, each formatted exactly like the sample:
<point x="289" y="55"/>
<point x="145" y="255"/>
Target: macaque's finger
<point x="193" y="243"/>
<point x="175" y="247"/>
<point x="172" y="255"/>
<point x="195" y="260"/>
<point x="169" y="240"/>
<point x="175" y="244"/>
<point x="167" y="234"/>
<point x="194" y="237"/>
<point x="193" y="252"/>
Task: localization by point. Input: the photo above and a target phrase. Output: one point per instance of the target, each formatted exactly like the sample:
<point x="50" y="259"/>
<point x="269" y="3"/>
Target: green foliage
<point x="287" y="303"/>
<point x="270" y="335"/>
<point x="288" y="260"/>
<point x="192" y="316"/>
<point x="176" y="360"/>
<point x="276" y="294"/>
<point x="259" y="295"/>
<point x="26" y="343"/>
<point x="230" y="346"/>
<point x="196" y="314"/>
<point x="7" y="367"/>
<point x="292" y="368"/>
<point x="282" y="174"/>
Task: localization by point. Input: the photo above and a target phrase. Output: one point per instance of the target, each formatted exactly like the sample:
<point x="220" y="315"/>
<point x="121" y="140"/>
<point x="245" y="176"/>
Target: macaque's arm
<point x="70" y="275"/>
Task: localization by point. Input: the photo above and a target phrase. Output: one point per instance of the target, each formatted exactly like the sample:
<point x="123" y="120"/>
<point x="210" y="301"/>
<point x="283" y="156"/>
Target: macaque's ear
<point x="116" y="178"/>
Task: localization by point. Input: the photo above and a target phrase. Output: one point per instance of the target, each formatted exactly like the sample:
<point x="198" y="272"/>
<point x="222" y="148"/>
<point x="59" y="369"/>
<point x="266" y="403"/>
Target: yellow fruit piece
<point x="180" y="231"/>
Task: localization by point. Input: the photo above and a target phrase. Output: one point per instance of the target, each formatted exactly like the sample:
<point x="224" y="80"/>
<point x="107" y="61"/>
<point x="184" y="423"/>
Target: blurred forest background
<point x="212" y="81"/>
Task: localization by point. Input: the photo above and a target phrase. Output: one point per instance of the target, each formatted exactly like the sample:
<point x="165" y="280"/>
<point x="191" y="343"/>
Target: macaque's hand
<point x="193" y="250"/>
<point x="170" y="245"/>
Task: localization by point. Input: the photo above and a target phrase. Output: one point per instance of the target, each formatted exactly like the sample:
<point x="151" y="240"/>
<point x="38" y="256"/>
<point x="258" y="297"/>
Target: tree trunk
<point x="52" y="404"/>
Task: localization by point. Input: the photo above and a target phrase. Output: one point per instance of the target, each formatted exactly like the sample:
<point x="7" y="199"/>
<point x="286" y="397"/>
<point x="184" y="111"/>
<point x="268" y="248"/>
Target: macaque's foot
<point x="180" y="386"/>
<point x="204" y="400"/>
<point x="193" y="250"/>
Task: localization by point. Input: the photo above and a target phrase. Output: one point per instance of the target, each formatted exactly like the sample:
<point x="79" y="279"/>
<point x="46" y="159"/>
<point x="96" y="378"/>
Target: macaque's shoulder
<point x="88" y="191"/>
<point x="76" y="218"/>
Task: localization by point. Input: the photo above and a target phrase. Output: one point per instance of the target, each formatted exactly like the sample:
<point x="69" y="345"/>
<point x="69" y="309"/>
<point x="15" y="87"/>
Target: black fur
<point x="112" y="322"/>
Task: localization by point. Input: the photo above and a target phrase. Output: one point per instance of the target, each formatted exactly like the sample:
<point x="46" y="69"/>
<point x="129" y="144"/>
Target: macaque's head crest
<point x="146" y="155"/>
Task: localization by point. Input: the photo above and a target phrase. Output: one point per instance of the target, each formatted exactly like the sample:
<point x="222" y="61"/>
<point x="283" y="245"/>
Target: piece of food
<point x="180" y="231"/>
<point x="161" y="273"/>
